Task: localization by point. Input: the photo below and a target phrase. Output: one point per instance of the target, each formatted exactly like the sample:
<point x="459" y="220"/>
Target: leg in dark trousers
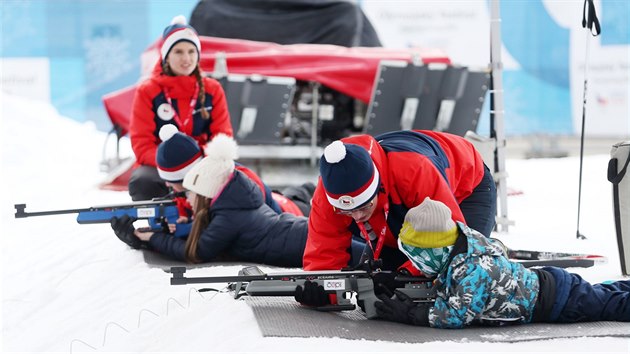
<point x="301" y="196"/>
<point x="480" y="208"/>
<point x="145" y="184"/>
<point x="590" y="302"/>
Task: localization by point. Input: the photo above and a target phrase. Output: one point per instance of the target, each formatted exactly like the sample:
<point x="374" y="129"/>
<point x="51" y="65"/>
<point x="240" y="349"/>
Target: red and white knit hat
<point x="349" y="175"/>
<point x="179" y="30"/>
<point x="176" y="154"/>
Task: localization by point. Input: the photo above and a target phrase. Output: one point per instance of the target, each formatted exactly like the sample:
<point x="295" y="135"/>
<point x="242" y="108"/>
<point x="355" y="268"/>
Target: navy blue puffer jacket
<point x="242" y="226"/>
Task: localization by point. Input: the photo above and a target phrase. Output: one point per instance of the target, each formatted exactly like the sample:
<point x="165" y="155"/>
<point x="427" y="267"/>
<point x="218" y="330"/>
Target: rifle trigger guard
<point x="237" y="288"/>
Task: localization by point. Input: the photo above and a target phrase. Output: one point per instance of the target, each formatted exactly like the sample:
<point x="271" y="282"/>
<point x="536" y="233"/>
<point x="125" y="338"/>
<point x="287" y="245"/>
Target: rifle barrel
<point x="21" y="213"/>
<point x="178" y="277"/>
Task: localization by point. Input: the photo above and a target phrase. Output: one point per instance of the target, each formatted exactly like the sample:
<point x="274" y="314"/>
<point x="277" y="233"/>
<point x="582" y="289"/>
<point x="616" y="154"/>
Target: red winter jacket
<point x="276" y="201"/>
<point x="147" y="116"/>
<point x="412" y="166"/>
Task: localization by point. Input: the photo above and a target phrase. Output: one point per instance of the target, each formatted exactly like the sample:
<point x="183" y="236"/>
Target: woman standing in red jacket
<point x="176" y="93"/>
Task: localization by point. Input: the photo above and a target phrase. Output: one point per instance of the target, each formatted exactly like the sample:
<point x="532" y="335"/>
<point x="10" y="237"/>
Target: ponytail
<point x="200" y="222"/>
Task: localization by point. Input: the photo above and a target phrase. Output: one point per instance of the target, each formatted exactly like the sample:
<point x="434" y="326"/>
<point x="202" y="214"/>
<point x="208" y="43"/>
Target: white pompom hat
<point x="213" y="172"/>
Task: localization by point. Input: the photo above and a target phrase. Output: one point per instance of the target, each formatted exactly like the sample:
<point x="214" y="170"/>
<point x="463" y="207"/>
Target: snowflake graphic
<point x="107" y="57"/>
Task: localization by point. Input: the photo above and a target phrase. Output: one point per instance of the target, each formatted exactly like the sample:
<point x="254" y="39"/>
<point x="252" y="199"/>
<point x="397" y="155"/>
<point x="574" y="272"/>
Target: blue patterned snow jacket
<point x="481" y="286"/>
<point x="243" y="227"/>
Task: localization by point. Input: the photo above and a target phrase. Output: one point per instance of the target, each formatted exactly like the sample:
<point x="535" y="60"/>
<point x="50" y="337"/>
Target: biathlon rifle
<point x="159" y="212"/>
<point x="252" y="281"/>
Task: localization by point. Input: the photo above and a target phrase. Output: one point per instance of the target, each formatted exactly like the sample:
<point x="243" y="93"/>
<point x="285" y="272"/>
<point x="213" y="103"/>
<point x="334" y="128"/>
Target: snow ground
<point x="77" y="288"/>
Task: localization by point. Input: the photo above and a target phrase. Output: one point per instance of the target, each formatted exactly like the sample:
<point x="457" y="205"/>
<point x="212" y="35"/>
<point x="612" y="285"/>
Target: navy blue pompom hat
<point x="349" y="175"/>
<point x="176" y="154"/>
<point x="179" y="30"/>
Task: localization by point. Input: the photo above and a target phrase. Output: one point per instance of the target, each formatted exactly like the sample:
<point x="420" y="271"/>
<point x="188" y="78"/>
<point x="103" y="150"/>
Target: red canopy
<point x="348" y="70"/>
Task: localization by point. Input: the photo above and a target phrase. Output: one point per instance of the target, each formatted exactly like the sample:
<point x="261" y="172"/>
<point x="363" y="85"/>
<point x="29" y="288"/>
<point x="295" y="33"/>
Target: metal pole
<point x="591" y="23"/>
<point x="496" y="116"/>
<point x="578" y="234"/>
<point x="314" y="124"/>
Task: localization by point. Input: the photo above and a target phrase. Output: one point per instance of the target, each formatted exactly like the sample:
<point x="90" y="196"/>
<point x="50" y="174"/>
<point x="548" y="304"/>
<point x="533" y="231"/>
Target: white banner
<point x="544" y="76"/>
<point x="26" y="77"/>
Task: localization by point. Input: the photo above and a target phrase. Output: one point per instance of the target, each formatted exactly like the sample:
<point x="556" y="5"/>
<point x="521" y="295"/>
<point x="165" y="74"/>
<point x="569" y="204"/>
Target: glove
<point x="384" y="283"/>
<point x="401" y="308"/>
<point x="311" y="295"/>
<point x="123" y="228"/>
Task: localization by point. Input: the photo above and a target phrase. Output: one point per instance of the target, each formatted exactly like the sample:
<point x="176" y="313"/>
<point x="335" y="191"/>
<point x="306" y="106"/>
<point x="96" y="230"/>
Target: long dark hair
<point x="202" y="91"/>
<point x="201" y="219"/>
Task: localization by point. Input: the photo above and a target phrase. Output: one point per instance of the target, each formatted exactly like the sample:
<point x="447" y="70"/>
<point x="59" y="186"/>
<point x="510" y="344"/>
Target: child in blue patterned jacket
<point x="477" y="285"/>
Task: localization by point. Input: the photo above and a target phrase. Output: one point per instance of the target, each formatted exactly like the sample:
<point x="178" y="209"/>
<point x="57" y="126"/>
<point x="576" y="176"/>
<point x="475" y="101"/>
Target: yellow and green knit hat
<point x="428" y="225"/>
<point x="427" y="236"/>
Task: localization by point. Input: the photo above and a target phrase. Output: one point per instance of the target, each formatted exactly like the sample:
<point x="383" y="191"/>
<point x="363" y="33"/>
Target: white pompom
<point x="167" y="131"/>
<point x="335" y="152"/>
<point x="222" y="147"/>
<point x="179" y="20"/>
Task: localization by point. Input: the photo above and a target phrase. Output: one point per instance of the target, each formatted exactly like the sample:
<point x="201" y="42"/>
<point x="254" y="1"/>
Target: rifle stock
<point x="342" y="283"/>
<point x="158" y="212"/>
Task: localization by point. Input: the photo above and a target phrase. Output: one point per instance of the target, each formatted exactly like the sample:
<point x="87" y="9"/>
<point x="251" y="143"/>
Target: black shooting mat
<point x="283" y="317"/>
<point x="156" y="260"/>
